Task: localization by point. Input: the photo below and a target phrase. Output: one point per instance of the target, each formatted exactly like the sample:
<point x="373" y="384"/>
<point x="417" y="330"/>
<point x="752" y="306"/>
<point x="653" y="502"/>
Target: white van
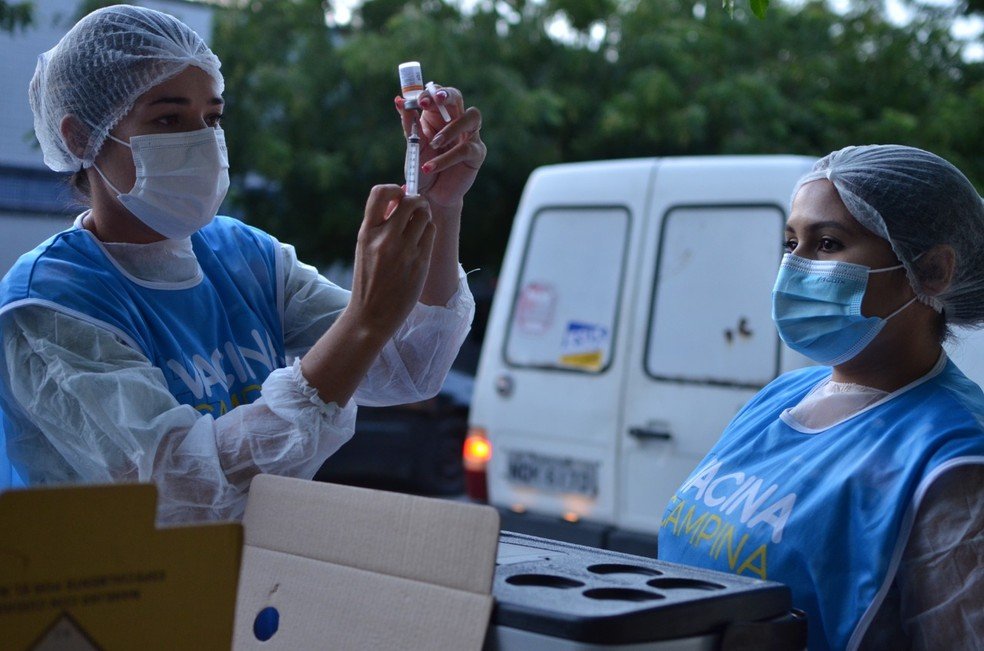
<point x="630" y="323"/>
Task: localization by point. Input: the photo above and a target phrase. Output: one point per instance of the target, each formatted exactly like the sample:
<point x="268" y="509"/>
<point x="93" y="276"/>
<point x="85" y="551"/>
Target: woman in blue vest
<point x="860" y="482"/>
<point x="154" y="341"/>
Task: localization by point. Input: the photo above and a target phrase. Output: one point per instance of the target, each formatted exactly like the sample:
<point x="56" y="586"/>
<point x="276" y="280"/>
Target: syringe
<point x="411" y="168"/>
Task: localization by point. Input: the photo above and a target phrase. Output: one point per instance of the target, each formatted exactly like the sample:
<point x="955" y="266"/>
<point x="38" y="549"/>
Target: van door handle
<point x="650" y="433"/>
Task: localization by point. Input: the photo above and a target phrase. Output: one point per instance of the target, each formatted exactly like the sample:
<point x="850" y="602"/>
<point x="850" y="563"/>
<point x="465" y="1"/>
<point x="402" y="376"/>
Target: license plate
<point x="554" y="474"/>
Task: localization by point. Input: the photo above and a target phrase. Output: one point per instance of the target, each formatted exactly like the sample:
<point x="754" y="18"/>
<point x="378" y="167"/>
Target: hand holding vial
<point x="443" y="162"/>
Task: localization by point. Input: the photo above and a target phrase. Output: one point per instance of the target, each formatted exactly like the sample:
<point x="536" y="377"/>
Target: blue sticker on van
<point x="583" y="345"/>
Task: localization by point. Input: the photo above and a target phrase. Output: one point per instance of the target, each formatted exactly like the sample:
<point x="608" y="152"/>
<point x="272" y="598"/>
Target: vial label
<point x="411" y="78"/>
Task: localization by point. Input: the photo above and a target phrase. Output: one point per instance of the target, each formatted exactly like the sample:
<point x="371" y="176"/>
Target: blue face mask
<point x="816" y="305"/>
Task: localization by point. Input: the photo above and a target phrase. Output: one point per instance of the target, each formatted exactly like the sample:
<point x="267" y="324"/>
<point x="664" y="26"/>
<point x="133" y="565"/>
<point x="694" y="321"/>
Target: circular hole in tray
<point x="621" y="594"/>
<point x="544" y="581"/>
<point x="619" y="568"/>
<point x="673" y="583"/>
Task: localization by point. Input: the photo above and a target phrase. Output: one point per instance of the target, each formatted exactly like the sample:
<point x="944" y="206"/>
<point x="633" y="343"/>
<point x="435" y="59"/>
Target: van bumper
<point x="583" y="532"/>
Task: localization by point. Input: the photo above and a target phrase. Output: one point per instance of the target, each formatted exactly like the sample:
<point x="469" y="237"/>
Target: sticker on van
<point x="583" y="345"/>
<point x="535" y="308"/>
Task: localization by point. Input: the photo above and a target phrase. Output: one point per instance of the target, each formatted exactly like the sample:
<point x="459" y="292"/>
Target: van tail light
<point x="476" y="455"/>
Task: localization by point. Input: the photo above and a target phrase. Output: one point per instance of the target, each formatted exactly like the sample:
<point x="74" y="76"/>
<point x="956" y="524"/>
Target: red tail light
<point x="476" y="455"/>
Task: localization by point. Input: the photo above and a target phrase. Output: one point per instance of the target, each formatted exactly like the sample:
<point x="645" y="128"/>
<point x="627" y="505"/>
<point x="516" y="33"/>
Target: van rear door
<point x="705" y="342"/>
<point x="551" y="372"/>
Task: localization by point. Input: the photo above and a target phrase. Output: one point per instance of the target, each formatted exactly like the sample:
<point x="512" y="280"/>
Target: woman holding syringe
<point x="149" y="341"/>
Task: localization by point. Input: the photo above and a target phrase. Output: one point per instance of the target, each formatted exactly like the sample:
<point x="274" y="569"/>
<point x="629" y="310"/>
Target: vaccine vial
<point x="411" y="84"/>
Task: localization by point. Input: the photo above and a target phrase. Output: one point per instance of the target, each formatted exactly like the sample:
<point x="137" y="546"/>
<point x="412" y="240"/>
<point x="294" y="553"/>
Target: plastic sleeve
<point x="412" y="365"/>
<point x="91" y="409"/>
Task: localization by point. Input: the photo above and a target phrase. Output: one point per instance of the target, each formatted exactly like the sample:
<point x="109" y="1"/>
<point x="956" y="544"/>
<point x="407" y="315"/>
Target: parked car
<point x="416" y="448"/>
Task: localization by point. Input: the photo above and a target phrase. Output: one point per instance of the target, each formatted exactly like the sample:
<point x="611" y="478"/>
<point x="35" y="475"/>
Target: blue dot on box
<point x="266" y="623"/>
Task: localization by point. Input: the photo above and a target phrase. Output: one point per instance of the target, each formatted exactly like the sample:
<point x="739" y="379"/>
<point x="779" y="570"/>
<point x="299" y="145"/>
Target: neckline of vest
<point x="194" y="281"/>
<point x="789" y="420"/>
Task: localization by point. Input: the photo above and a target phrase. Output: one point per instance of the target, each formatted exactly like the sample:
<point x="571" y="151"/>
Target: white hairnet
<point x="99" y="69"/>
<point x="915" y="200"/>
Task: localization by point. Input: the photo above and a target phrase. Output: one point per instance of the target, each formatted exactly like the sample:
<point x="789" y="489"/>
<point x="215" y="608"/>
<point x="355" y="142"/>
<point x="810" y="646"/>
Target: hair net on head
<point x="98" y="70"/>
<point x="915" y="200"/>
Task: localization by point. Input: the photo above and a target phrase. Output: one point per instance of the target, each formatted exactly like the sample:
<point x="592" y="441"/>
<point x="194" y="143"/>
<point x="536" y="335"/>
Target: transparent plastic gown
<point x="92" y="409"/>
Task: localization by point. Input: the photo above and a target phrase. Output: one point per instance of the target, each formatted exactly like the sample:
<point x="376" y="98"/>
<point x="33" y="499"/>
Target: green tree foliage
<point x="311" y="124"/>
<point x="15" y="15"/>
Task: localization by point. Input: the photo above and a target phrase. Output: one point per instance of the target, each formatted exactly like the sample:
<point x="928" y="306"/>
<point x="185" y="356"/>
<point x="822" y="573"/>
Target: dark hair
<point x="79" y="181"/>
<point x="944" y="332"/>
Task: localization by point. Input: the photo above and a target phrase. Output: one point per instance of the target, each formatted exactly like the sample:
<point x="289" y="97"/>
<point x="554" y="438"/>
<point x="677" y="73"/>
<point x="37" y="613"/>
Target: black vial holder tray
<point x="600" y="596"/>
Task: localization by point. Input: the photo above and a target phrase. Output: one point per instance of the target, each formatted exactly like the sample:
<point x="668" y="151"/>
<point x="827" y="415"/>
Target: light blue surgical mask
<point x="816" y="305"/>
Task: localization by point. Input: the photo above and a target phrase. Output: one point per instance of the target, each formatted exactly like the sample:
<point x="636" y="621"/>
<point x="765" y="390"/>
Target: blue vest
<point x="215" y="340"/>
<point x="8" y="476"/>
<point x="827" y="514"/>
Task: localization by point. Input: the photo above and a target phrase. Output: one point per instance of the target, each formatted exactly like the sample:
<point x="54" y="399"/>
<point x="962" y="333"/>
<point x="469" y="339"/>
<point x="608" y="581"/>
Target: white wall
<point x="18" y="58"/>
<point x="21" y="231"/>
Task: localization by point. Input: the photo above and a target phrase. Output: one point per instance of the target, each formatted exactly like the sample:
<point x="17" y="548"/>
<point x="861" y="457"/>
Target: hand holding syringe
<point x="444" y="146"/>
<point x="412" y="84"/>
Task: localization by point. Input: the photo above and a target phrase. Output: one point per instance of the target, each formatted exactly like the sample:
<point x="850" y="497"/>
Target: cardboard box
<point x="335" y="567"/>
<point x="85" y="568"/>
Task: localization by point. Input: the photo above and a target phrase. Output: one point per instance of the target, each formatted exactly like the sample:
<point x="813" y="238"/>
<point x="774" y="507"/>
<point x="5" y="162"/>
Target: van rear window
<point x="710" y="317"/>
<point x="565" y="305"/>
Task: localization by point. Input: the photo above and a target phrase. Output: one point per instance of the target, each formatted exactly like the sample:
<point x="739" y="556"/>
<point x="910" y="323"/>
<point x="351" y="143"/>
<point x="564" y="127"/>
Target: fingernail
<point x="437" y="141"/>
<point x="425" y="102"/>
<point x="426" y="168"/>
<point x="441" y="94"/>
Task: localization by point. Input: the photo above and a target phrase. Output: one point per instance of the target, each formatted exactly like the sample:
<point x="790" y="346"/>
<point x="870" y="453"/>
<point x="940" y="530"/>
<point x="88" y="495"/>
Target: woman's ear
<point x="935" y="269"/>
<point x="75" y="135"/>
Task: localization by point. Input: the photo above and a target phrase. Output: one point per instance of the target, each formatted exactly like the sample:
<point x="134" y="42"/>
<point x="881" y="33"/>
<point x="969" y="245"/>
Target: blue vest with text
<point x="215" y="340"/>
<point x="824" y="513"/>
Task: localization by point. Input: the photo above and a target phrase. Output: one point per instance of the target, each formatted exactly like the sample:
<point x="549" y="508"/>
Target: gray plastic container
<point x="553" y="596"/>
